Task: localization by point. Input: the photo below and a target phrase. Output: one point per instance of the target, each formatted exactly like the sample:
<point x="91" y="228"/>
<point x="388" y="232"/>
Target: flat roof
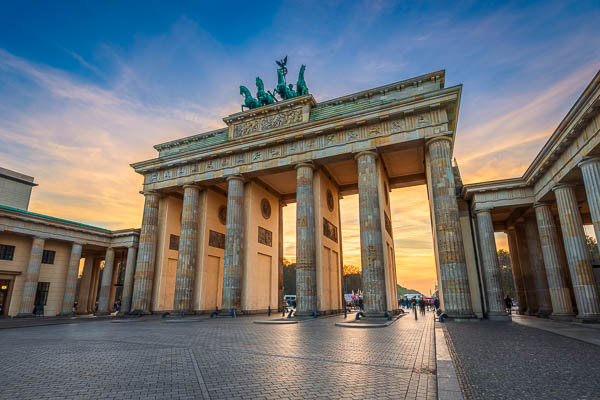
<point x="51" y="218"/>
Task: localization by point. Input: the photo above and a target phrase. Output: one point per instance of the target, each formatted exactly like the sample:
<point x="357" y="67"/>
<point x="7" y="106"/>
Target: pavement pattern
<point x="223" y="358"/>
<point x="505" y="360"/>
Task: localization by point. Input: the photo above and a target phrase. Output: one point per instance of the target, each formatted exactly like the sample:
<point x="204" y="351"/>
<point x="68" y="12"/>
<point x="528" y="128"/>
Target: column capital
<point x="428" y="142"/>
<point x="511" y="228"/>
<point x="483" y="210"/>
<point x="305" y="164"/>
<point x="192" y="185"/>
<point x="541" y="204"/>
<point x="366" y="152"/>
<point x="588" y="160"/>
<point x="563" y="186"/>
<point x="235" y="178"/>
<point x="150" y="192"/>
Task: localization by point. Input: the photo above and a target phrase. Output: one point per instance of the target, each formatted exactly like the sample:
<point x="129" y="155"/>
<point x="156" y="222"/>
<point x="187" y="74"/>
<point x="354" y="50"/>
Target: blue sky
<point x="87" y="88"/>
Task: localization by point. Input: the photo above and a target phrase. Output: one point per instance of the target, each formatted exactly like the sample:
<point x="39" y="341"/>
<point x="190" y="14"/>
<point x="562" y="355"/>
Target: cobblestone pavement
<point x="505" y="360"/>
<point x="150" y="358"/>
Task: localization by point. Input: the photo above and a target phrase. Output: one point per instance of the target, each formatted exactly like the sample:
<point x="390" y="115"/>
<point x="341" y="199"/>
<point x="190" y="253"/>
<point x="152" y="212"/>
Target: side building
<point x="50" y="264"/>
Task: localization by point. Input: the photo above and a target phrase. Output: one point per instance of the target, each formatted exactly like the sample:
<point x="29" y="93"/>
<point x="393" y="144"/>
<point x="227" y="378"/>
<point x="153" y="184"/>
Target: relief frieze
<point x="284" y="118"/>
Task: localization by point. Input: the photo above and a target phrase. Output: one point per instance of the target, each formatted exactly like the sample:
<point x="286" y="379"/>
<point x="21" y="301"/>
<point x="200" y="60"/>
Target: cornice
<point x="429" y="100"/>
<point x="470" y="189"/>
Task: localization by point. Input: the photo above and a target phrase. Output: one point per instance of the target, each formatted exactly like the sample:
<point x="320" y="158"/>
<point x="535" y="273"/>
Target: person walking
<point x="422" y="306"/>
<point x="508" y="303"/>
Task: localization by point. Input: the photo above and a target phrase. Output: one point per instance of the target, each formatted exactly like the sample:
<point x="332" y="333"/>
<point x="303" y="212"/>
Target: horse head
<point x="259" y="84"/>
<point x="302" y="68"/>
<point x="244" y="91"/>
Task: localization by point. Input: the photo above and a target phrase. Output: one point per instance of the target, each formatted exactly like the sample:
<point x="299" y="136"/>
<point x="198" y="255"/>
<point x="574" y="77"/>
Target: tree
<point x="506" y="276"/>
<point x="592" y="246"/>
<point x="289" y="277"/>
<point x="352" y="278"/>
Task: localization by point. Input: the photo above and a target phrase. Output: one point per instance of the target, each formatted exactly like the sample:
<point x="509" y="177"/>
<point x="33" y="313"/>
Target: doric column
<point x="578" y="256"/>
<point x="188" y="247"/>
<point x="451" y="253"/>
<point x="306" y="268"/>
<point x="526" y="271"/>
<point x="144" y="270"/>
<point x="371" y="236"/>
<point x="562" y="308"/>
<point x="536" y="261"/>
<point x="491" y="266"/>
<point x="71" y="280"/>
<point x="513" y="249"/>
<point x="31" y="277"/>
<point x="280" y="257"/>
<point x="84" y="287"/>
<point x="107" y="277"/>
<point x="590" y="169"/>
<point x="234" y="243"/>
<point x="128" y="282"/>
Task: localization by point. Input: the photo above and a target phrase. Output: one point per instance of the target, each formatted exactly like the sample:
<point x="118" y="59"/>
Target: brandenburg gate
<point x="211" y="235"/>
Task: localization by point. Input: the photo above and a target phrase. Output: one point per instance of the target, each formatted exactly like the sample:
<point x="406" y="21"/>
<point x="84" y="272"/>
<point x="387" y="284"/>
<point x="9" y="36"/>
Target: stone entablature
<point x="415" y="118"/>
<point x="37" y="225"/>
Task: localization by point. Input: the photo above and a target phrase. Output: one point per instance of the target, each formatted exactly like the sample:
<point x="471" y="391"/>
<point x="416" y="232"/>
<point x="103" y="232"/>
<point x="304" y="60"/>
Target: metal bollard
<point x="269" y="311"/>
<point x="415" y="310"/>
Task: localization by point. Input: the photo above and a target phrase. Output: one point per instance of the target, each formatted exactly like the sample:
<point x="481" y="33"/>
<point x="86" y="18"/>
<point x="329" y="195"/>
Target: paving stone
<point x="218" y="359"/>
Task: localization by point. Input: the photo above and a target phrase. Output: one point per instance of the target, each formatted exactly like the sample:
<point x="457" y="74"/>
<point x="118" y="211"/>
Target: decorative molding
<point x="216" y="239"/>
<point x="330" y="230"/>
<point x="265" y="236"/>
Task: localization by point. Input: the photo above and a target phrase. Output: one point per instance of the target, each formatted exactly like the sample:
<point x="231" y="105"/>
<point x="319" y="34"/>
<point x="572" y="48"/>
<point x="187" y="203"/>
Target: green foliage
<point x="592" y="246"/>
<point x="289" y="277"/>
<point x="402" y="291"/>
<point x="506" y="276"/>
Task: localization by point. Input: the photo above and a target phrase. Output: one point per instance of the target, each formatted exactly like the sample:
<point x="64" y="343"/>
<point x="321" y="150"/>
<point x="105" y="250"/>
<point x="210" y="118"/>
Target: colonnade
<point x="549" y="257"/>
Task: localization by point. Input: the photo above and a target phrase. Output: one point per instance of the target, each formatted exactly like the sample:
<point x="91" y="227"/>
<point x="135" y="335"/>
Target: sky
<point x="87" y="88"/>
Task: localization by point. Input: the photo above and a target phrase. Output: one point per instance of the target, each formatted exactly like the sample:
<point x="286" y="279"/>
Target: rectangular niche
<point x="388" y="224"/>
<point x="265" y="237"/>
<point x="174" y="242"/>
<point x="330" y="230"/>
<point x="216" y="239"/>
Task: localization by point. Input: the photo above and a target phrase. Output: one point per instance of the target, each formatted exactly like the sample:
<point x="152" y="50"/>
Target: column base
<point x="544" y="313"/>
<point x="562" y="317"/>
<point x="66" y="314"/>
<point x="457" y="316"/>
<point x="496" y="316"/>
<point x="588" y="318"/>
<point x="139" y="312"/>
<point x="306" y="313"/>
<point x="25" y="315"/>
<point x="101" y="313"/>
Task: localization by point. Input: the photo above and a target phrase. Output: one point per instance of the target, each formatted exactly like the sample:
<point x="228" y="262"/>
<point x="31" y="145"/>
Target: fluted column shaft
<point x="234" y="244"/>
<point x="32" y="276"/>
<point x="578" y="256"/>
<point x="491" y="266"/>
<point x="536" y="261"/>
<point x="280" y="257"/>
<point x="590" y="169"/>
<point x="557" y="284"/>
<point x="188" y="248"/>
<point x="107" y="281"/>
<point x="306" y="267"/>
<point x="144" y="270"/>
<point x="71" y="279"/>
<point x="451" y="252"/>
<point x="128" y="282"/>
<point x="517" y="274"/>
<point x="84" y="287"/>
<point x="371" y="237"/>
<point x="526" y="270"/>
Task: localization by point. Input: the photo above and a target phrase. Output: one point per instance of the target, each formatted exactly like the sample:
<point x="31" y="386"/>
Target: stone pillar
<point x="144" y="270"/>
<point x="31" y="277"/>
<point x="526" y="271"/>
<point x="280" y="258"/>
<point x="107" y="276"/>
<point x="71" y="280"/>
<point x="188" y="248"/>
<point x="128" y="282"/>
<point x="590" y="169"/>
<point x="517" y="274"/>
<point x="371" y="236"/>
<point x="234" y="242"/>
<point x="84" y="287"/>
<point x="451" y="253"/>
<point x="306" y="267"/>
<point x="578" y="256"/>
<point x="94" y="286"/>
<point x="491" y="266"/>
<point x="560" y="295"/>
<point x="536" y="261"/>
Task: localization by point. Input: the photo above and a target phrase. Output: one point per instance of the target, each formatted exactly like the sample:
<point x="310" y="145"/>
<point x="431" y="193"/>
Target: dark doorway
<point x="4" y="296"/>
